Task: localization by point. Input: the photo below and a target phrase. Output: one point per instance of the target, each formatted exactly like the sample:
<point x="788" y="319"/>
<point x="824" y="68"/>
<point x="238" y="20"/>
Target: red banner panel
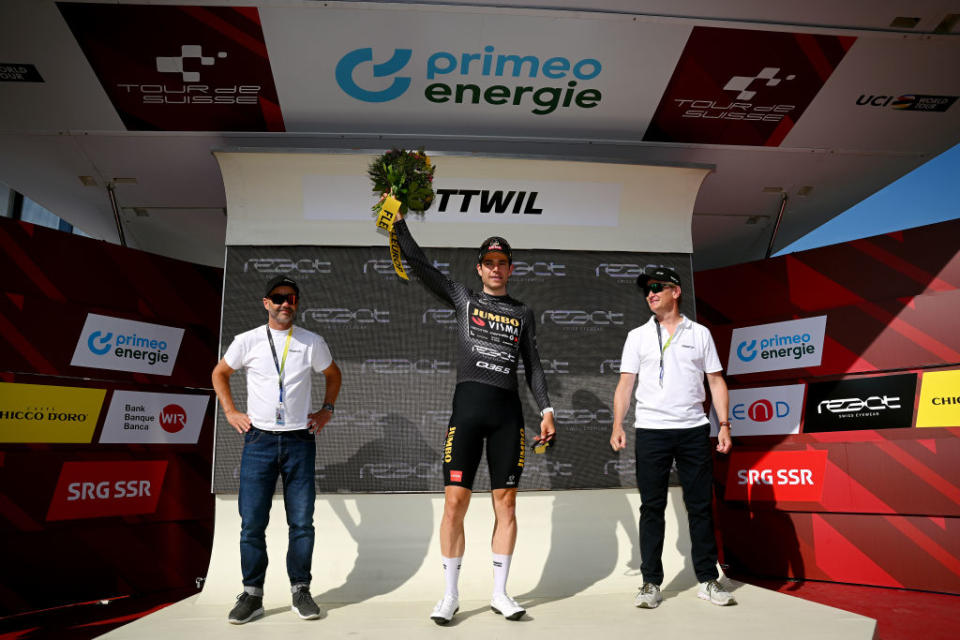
<point x="100" y="489"/>
<point x="105" y="455"/>
<point x="795" y="476"/>
<point x="742" y="86"/>
<point x="170" y="68"/>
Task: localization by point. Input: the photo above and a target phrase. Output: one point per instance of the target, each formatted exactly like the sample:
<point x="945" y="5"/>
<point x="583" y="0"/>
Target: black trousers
<point x="656" y="450"/>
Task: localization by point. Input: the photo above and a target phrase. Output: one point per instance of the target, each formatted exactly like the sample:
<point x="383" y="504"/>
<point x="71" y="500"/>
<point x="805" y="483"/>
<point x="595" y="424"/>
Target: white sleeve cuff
<point x="550" y="409"/>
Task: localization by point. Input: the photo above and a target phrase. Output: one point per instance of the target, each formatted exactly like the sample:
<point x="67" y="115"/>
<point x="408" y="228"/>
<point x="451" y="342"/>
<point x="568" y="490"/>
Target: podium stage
<point x="376" y="574"/>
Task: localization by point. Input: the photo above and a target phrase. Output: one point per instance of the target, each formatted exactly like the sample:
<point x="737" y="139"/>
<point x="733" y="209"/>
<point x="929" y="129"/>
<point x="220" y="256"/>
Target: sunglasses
<point x="280" y="298"/>
<point x="657" y="287"/>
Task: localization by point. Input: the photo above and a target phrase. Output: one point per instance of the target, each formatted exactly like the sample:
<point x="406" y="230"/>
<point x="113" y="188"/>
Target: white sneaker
<point x="714" y="593"/>
<point x="506" y="606"/>
<point x="443" y="612"/>
<point x="649" y="596"/>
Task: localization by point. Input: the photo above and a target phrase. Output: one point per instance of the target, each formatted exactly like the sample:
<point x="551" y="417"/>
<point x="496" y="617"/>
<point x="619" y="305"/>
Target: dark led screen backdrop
<point x="394" y="342"/>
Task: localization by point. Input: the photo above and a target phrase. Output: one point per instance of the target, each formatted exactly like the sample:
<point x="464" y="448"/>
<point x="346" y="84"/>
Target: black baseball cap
<point x="663" y="274"/>
<point x="495" y="244"/>
<point x="281" y="281"/>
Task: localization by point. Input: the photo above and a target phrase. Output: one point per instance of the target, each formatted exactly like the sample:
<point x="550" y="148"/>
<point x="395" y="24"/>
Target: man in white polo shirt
<point x="666" y="358"/>
<point x="279" y="440"/>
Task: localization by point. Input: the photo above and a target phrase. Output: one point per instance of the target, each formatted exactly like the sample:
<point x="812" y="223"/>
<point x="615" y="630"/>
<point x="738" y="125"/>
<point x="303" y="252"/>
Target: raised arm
<point x="422" y="267"/>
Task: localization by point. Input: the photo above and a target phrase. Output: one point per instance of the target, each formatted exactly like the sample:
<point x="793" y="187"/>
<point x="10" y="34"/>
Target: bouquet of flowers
<point x="404" y="180"/>
<point x="407" y="176"/>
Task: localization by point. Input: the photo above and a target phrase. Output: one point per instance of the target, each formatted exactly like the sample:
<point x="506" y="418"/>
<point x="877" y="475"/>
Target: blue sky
<point x="930" y="193"/>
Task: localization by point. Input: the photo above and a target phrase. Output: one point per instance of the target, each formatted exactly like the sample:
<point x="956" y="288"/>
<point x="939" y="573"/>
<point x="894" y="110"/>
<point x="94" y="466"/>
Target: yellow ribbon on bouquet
<point x="385" y="220"/>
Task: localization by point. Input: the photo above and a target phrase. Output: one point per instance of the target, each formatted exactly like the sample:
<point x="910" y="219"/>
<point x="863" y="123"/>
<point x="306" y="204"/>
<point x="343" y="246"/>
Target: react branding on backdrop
<point x="763" y="411"/>
<point x="127" y="345"/>
<point x="154" y="418"/>
<point x="539" y="84"/>
<point x="779" y="345"/>
<point x="877" y="402"/>
<point x="306" y="266"/>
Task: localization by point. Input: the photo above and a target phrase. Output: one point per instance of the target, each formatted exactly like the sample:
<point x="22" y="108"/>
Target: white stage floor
<point x="377" y="574"/>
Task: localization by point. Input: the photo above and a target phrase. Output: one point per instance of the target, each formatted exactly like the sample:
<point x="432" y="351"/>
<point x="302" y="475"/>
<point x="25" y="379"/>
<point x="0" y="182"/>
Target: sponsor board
<point x="337" y="197"/>
<point x="778" y="345"/>
<point x="763" y="411"/>
<point x="19" y="72"/>
<point x="776" y="476"/>
<point x="743" y="87"/>
<point x="127" y="345"/>
<point x="154" y="418"/>
<point x="45" y="413"/>
<point x="179" y="68"/>
<point x="102" y="489"/>
<point x="879" y="402"/>
<point x="939" y="404"/>
<point x="908" y="102"/>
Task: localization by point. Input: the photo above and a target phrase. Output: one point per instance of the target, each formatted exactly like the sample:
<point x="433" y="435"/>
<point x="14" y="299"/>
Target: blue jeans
<point x="266" y="455"/>
<point x="656" y="450"/>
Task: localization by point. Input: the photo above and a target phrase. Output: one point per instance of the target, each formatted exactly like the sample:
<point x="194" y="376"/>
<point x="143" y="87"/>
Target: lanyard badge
<point x="280" y="365"/>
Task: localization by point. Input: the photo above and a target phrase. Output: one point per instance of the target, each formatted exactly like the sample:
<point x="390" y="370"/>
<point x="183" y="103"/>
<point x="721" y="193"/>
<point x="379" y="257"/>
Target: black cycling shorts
<point x="482" y="411"/>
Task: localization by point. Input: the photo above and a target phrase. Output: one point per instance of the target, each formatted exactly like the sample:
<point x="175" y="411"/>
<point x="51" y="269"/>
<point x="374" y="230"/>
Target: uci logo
<point x="747" y="351"/>
<point x="104" y="343"/>
<point x="357" y="57"/>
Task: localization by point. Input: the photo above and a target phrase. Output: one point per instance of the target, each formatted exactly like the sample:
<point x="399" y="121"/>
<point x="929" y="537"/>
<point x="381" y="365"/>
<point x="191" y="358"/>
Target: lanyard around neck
<point x="279" y="364"/>
<point x="663" y="347"/>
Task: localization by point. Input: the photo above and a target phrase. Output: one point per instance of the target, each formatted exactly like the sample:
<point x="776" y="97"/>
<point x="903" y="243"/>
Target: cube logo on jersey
<point x="127" y="345"/>
<point x="764" y="411"/>
<point x="102" y="489"/>
<point x="778" y="345"/>
<point x="880" y="402"/>
<point x="170" y="68"/>
<point x="746" y="87"/>
<point x="136" y="417"/>
<point x="776" y="476"/>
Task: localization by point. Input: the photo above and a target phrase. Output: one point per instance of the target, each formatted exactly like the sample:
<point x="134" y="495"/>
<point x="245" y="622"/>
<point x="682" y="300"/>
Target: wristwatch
<point x="327" y="406"/>
<point x="725" y="423"/>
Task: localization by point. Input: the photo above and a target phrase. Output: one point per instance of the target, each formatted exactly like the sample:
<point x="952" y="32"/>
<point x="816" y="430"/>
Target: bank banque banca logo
<point x="357" y="57"/>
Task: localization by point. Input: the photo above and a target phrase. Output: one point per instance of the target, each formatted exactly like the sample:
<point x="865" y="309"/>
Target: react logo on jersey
<point x="349" y="63"/>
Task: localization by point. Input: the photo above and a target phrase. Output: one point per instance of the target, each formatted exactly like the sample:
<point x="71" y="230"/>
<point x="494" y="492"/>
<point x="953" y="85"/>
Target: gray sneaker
<point x="303" y="604"/>
<point x="649" y="596"/>
<point x="714" y="593"/>
<point x="247" y="608"/>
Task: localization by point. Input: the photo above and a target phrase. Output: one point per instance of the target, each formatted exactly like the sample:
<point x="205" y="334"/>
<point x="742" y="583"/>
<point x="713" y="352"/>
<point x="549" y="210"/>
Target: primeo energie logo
<point x="778" y="345"/>
<point x="492" y="78"/>
<point x="127" y="345"/>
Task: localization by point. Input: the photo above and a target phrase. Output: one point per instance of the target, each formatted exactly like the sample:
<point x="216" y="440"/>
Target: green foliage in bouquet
<point x="407" y="176"/>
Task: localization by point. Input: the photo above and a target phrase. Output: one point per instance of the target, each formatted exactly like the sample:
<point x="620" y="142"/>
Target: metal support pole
<point x="776" y="226"/>
<point x="111" y="193"/>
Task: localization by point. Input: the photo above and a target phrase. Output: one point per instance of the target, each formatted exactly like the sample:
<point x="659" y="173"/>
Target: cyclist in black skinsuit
<point x="493" y="332"/>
